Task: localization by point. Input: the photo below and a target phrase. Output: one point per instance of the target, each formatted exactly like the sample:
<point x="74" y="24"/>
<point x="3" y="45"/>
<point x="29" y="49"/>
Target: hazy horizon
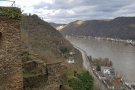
<point x="93" y="19"/>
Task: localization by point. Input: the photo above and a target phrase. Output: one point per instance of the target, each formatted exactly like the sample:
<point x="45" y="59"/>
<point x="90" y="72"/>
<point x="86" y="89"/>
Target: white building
<point x="106" y="70"/>
<point x="71" y="60"/>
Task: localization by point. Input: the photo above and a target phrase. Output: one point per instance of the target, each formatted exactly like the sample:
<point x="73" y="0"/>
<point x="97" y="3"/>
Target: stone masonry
<point x="10" y="61"/>
<point x="56" y="76"/>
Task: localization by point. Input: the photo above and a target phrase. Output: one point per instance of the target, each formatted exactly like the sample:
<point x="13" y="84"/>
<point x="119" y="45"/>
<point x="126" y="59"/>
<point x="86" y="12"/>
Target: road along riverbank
<point x="86" y="65"/>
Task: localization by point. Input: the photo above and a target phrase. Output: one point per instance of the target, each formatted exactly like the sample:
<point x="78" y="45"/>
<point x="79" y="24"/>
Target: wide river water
<point x="122" y="56"/>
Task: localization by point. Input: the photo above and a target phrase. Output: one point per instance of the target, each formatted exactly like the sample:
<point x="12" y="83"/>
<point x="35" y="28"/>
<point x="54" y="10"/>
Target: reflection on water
<point x="122" y="56"/>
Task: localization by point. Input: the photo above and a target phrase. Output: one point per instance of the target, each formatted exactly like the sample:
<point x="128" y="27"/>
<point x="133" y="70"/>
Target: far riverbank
<point x="128" y="42"/>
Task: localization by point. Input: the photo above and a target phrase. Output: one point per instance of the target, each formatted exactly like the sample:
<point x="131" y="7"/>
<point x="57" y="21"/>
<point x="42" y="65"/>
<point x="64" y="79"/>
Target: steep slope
<point x="43" y="39"/>
<point x="44" y="55"/>
<point x="121" y="28"/>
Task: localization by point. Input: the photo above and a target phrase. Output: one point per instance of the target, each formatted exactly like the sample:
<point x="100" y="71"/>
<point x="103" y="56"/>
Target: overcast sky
<point x="65" y="11"/>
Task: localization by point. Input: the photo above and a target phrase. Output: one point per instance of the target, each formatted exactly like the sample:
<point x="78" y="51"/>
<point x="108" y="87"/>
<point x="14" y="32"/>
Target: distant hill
<point x="120" y="28"/>
<point x="57" y="26"/>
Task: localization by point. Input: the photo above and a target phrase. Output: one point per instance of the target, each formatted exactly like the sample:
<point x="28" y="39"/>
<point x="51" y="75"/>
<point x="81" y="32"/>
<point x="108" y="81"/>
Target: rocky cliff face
<point x="10" y="60"/>
<point x="118" y="28"/>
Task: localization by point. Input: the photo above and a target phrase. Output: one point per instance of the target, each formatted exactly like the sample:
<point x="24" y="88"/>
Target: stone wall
<point x="10" y="61"/>
<point x="56" y="76"/>
<point x="35" y="82"/>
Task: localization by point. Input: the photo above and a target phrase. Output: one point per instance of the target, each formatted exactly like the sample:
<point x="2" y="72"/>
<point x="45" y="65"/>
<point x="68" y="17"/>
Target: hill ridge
<point x="118" y="28"/>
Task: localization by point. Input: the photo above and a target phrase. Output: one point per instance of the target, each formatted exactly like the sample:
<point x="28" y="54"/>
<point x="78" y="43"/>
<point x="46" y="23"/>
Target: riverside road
<point x="87" y="66"/>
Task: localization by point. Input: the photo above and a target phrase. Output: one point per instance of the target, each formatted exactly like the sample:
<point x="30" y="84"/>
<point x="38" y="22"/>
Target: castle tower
<point x="10" y="41"/>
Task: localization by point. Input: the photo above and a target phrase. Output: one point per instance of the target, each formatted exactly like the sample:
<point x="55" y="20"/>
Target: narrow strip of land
<point x="87" y="66"/>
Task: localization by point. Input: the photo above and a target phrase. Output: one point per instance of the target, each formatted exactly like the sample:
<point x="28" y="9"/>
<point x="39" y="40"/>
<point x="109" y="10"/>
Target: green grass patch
<point x="11" y="12"/>
<point x="70" y="73"/>
<point x="83" y="81"/>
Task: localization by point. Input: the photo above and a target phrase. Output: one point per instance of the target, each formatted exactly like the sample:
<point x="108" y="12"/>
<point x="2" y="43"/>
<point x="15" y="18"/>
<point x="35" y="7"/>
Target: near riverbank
<point x="86" y="65"/>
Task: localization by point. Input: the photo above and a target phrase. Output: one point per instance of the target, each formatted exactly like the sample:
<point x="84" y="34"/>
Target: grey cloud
<point x="40" y="5"/>
<point x="87" y="9"/>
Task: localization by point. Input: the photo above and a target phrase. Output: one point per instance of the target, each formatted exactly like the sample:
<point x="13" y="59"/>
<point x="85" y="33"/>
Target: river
<point x="122" y="56"/>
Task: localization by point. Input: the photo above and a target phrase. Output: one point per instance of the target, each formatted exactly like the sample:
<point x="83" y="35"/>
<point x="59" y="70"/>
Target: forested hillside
<point x="119" y="28"/>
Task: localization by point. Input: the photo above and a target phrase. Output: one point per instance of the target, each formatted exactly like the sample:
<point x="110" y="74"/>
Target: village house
<point x="107" y="70"/>
<point x="71" y="57"/>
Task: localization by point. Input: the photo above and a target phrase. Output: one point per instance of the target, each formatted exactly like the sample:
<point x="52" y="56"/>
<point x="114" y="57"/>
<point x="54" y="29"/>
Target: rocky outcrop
<point x="10" y="61"/>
